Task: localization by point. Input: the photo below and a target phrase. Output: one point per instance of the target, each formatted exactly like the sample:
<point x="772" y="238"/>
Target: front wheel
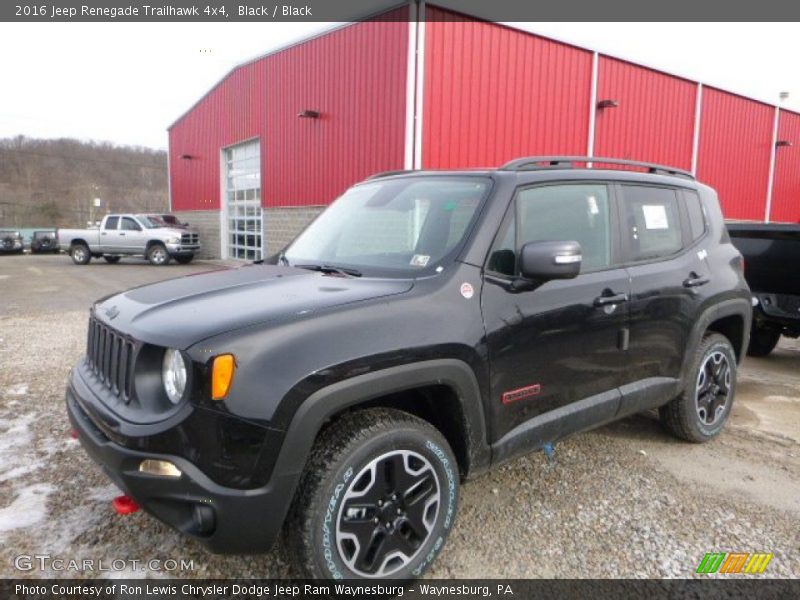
<point x="377" y="498"/>
<point x="762" y="340"/>
<point x="184" y="259"/>
<point x="157" y="255"/>
<point x="702" y="409"/>
<point x="80" y="254"/>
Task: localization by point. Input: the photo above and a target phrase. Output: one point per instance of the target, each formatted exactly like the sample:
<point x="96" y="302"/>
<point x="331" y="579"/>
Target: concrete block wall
<point x="206" y="223"/>
<point x="281" y="225"/>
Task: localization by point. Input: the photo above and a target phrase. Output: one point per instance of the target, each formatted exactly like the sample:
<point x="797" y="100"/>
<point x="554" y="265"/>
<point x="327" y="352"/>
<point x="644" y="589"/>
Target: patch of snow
<point x="19" y="389"/>
<point x="28" y="508"/>
<point x="17" y="445"/>
<point x="70" y="525"/>
<point x="105" y="493"/>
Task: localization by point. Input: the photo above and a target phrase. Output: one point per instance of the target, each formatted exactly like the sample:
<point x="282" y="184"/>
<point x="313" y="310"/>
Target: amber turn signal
<point x="222" y="376"/>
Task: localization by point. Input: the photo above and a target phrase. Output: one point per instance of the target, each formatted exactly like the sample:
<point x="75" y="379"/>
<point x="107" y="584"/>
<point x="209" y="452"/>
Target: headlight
<point x="175" y="240"/>
<point x="173" y="373"/>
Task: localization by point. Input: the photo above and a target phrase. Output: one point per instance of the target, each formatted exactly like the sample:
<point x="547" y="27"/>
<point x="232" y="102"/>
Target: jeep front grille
<point x="189" y="239"/>
<point x="111" y="357"/>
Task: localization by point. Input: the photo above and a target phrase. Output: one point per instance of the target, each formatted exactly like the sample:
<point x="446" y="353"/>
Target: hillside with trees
<point x="46" y="183"/>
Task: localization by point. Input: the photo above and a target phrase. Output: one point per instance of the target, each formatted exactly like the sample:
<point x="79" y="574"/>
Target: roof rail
<point x="389" y="173"/>
<point x="532" y="163"/>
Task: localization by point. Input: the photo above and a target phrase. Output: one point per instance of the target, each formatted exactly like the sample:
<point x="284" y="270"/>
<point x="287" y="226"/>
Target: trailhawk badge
<point x="467" y="290"/>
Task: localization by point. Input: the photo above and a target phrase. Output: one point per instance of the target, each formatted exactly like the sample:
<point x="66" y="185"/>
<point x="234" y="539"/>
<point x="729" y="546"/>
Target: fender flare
<point x="736" y="307"/>
<point x="326" y="402"/>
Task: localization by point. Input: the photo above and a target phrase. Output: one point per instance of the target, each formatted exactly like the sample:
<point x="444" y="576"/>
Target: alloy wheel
<point x="713" y="388"/>
<point x="159" y="256"/>
<point x="387" y="513"/>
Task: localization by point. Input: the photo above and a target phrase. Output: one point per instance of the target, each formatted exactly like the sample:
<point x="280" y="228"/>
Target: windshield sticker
<point x="655" y="216"/>
<point x="467" y="290"/>
<point x="420" y="260"/>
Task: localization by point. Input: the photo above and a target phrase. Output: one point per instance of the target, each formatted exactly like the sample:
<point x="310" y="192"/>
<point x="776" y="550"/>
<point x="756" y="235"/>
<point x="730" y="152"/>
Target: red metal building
<point x="281" y="136"/>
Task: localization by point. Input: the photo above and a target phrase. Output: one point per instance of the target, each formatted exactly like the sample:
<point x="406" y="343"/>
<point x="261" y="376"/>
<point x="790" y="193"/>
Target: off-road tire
<point x="341" y="453"/>
<point x="155" y="256"/>
<point x="681" y="416"/>
<point x="112" y="260"/>
<point x="184" y="259"/>
<point x="80" y="254"/>
<point x="762" y="340"/>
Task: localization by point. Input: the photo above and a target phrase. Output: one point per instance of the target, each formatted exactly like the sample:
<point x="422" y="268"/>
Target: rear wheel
<point x="157" y="255"/>
<point x="377" y="498"/>
<point x="762" y="340"/>
<point x="80" y="254"/>
<point x="700" y="412"/>
<point x="184" y="259"/>
<point x="112" y="260"/>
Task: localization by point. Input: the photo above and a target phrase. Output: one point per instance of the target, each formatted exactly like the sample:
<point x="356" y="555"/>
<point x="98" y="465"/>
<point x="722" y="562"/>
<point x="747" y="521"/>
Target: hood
<point x="181" y="312"/>
<point x="174" y="231"/>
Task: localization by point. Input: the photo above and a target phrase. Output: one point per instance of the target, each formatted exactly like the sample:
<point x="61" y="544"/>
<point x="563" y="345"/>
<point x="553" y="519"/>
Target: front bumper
<point x="183" y="249"/>
<point x="226" y="520"/>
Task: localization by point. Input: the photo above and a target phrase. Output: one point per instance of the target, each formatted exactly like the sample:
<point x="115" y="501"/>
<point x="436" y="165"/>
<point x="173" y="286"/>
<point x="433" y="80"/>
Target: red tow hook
<point x="73" y="434"/>
<point x="124" y="505"/>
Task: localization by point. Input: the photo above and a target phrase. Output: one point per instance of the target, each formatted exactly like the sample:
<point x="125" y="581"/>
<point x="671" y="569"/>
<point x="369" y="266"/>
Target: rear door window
<point x="651" y="219"/>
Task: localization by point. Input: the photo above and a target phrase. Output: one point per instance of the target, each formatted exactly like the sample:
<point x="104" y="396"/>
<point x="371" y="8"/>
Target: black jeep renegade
<point x="425" y="328"/>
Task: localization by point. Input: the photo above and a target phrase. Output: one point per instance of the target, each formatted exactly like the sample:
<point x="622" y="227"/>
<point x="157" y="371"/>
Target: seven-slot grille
<point x="111" y="358"/>
<point x="189" y="239"/>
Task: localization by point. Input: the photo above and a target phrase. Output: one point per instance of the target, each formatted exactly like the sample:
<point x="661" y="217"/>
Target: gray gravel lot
<point x="626" y="500"/>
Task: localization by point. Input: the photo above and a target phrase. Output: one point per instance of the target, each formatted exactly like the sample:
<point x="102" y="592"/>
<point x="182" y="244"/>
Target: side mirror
<point x="550" y="260"/>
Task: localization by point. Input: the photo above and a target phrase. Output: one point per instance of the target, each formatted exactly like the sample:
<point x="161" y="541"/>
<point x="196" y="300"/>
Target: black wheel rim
<point x="387" y="513"/>
<point x="713" y="388"/>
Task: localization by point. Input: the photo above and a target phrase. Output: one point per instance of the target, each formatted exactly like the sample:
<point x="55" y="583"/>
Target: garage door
<point x="243" y="201"/>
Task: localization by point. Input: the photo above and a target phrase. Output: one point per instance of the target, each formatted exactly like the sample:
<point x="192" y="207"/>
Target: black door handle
<point x="695" y="281"/>
<point x="606" y="300"/>
<point x="122" y="233"/>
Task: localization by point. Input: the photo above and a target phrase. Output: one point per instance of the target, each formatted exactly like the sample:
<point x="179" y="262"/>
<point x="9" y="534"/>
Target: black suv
<point x="11" y="242"/>
<point x="44" y="241"/>
<point x="425" y="328"/>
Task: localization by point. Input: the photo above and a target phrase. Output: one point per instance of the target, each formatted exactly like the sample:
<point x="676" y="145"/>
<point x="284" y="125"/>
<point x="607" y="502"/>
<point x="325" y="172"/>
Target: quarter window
<point x="574" y="212"/>
<point x="697" y="221"/>
<point x="652" y="221"/>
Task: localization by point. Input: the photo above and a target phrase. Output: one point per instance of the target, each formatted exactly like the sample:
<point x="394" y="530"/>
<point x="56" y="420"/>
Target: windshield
<point x="38" y="235"/>
<point x="403" y="226"/>
<point x="151" y="221"/>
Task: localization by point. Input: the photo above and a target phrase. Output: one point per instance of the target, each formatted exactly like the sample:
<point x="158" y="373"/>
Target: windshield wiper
<point x="345" y="271"/>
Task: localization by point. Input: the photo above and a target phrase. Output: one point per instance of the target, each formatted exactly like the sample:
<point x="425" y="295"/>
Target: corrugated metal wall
<point x="355" y="77"/>
<point x="786" y="192"/>
<point x="492" y="94"/>
<point x="734" y="152"/>
<point x="654" y="120"/>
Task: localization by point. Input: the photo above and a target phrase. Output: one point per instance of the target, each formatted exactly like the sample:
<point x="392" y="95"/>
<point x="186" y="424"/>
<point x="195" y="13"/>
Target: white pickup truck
<point x="130" y="235"/>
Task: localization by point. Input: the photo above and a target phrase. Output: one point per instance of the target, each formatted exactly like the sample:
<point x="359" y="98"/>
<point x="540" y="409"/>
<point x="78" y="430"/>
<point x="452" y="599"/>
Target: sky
<point x="127" y="82"/>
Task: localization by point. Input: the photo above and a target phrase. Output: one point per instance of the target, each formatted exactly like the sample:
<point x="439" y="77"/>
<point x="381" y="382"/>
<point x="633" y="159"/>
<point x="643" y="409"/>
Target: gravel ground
<point x="626" y="500"/>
